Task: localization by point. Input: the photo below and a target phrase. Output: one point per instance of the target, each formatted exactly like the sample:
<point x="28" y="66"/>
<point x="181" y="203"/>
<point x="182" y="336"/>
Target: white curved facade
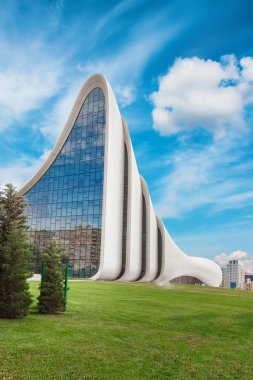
<point x="134" y="215"/>
<point x="151" y="267"/>
<point x="126" y="241"/>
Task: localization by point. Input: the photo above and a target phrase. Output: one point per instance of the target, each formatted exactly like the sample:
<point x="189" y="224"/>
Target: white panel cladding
<point x="112" y="220"/>
<point x="176" y="263"/>
<point x="134" y="215"/>
<point x="151" y="237"/>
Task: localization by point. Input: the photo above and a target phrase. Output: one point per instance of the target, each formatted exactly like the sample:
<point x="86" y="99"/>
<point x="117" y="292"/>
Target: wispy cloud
<point x="210" y="240"/>
<point x="33" y="75"/>
<point x="209" y="175"/>
<point x="108" y="24"/>
<point x="27" y="79"/>
<point x="53" y="123"/>
<point x="123" y="67"/>
<point x="36" y="77"/>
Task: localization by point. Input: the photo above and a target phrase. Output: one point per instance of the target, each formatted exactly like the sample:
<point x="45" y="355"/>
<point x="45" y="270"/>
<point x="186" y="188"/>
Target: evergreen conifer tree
<point x="15" y="256"/>
<point x="51" y="298"/>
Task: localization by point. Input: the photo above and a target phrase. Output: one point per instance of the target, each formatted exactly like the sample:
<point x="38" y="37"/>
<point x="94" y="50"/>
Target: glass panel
<point x="67" y="201"/>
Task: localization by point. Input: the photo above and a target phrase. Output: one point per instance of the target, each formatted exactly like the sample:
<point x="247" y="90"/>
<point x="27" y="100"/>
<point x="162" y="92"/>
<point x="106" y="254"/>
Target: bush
<point x="51" y="299"/>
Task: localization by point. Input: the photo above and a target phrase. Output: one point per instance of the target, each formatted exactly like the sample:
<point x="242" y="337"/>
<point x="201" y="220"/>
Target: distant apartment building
<point x="233" y="275"/>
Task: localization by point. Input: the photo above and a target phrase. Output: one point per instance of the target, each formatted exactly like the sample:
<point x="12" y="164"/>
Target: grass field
<point x="133" y="331"/>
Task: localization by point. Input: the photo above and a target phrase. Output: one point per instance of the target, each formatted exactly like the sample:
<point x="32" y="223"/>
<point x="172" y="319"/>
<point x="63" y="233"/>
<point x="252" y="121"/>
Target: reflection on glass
<point x="67" y="201"/>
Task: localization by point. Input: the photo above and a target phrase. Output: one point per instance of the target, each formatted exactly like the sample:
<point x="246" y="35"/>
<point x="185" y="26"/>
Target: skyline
<point x="183" y="76"/>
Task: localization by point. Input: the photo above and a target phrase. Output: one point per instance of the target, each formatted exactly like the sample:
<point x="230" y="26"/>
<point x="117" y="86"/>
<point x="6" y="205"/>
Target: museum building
<point x="90" y="197"/>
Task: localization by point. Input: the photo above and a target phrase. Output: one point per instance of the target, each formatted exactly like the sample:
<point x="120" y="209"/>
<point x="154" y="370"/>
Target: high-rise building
<point x="233" y="275"/>
<point x="90" y="197"/>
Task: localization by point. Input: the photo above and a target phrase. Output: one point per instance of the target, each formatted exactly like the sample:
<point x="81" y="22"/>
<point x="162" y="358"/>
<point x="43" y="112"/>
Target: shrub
<point x="51" y="299"/>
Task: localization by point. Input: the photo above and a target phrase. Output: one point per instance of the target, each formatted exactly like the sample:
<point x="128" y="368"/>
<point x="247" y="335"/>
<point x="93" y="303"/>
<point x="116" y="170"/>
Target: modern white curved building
<point x="90" y="196"/>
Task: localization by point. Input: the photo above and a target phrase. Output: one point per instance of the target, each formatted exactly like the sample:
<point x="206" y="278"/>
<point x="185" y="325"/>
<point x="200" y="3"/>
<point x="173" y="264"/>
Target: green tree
<point x="15" y="256"/>
<point x="51" y="299"/>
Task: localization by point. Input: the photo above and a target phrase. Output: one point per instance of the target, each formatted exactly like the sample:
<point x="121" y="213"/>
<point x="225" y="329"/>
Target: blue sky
<point x="182" y="72"/>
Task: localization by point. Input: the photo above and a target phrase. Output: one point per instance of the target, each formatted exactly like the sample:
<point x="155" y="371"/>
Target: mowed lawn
<point x="133" y="331"/>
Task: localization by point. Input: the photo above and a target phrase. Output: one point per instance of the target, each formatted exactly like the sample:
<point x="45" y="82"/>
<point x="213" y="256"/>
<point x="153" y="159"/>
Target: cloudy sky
<point x="182" y="72"/>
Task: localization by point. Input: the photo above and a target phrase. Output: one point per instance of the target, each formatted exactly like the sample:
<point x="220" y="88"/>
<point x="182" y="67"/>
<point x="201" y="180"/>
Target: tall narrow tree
<point x="51" y="298"/>
<point x="15" y="256"/>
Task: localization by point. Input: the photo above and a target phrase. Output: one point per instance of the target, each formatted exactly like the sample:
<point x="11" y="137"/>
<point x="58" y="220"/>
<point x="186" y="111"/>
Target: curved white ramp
<point x="176" y="263"/>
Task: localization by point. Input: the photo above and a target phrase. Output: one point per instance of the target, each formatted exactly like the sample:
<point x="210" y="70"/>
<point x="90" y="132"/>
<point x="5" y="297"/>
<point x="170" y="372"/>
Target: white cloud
<point x="247" y="65"/>
<point x="21" y="170"/>
<point x="211" y="95"/>
<point x="27" y="78"/>
<point x="246" y="262"/>
<point x="198" y="93"/>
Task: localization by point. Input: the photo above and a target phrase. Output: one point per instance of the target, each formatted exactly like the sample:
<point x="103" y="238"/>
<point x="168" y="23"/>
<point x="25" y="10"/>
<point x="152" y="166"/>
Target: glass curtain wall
<point x="66" y="203"/>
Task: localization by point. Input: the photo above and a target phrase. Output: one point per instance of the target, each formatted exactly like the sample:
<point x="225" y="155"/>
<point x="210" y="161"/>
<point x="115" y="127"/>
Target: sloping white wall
<point x="134" y="215"/>
<point x="112" y="220"/>
<point x="161" y="228"/>
<point x="151" y="239"/>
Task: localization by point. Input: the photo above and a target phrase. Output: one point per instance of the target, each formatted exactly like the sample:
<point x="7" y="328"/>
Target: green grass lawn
<point x="133" y="331"/>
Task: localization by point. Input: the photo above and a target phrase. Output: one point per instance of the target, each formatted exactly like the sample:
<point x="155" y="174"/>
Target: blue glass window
<point x="66" y="203"/>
